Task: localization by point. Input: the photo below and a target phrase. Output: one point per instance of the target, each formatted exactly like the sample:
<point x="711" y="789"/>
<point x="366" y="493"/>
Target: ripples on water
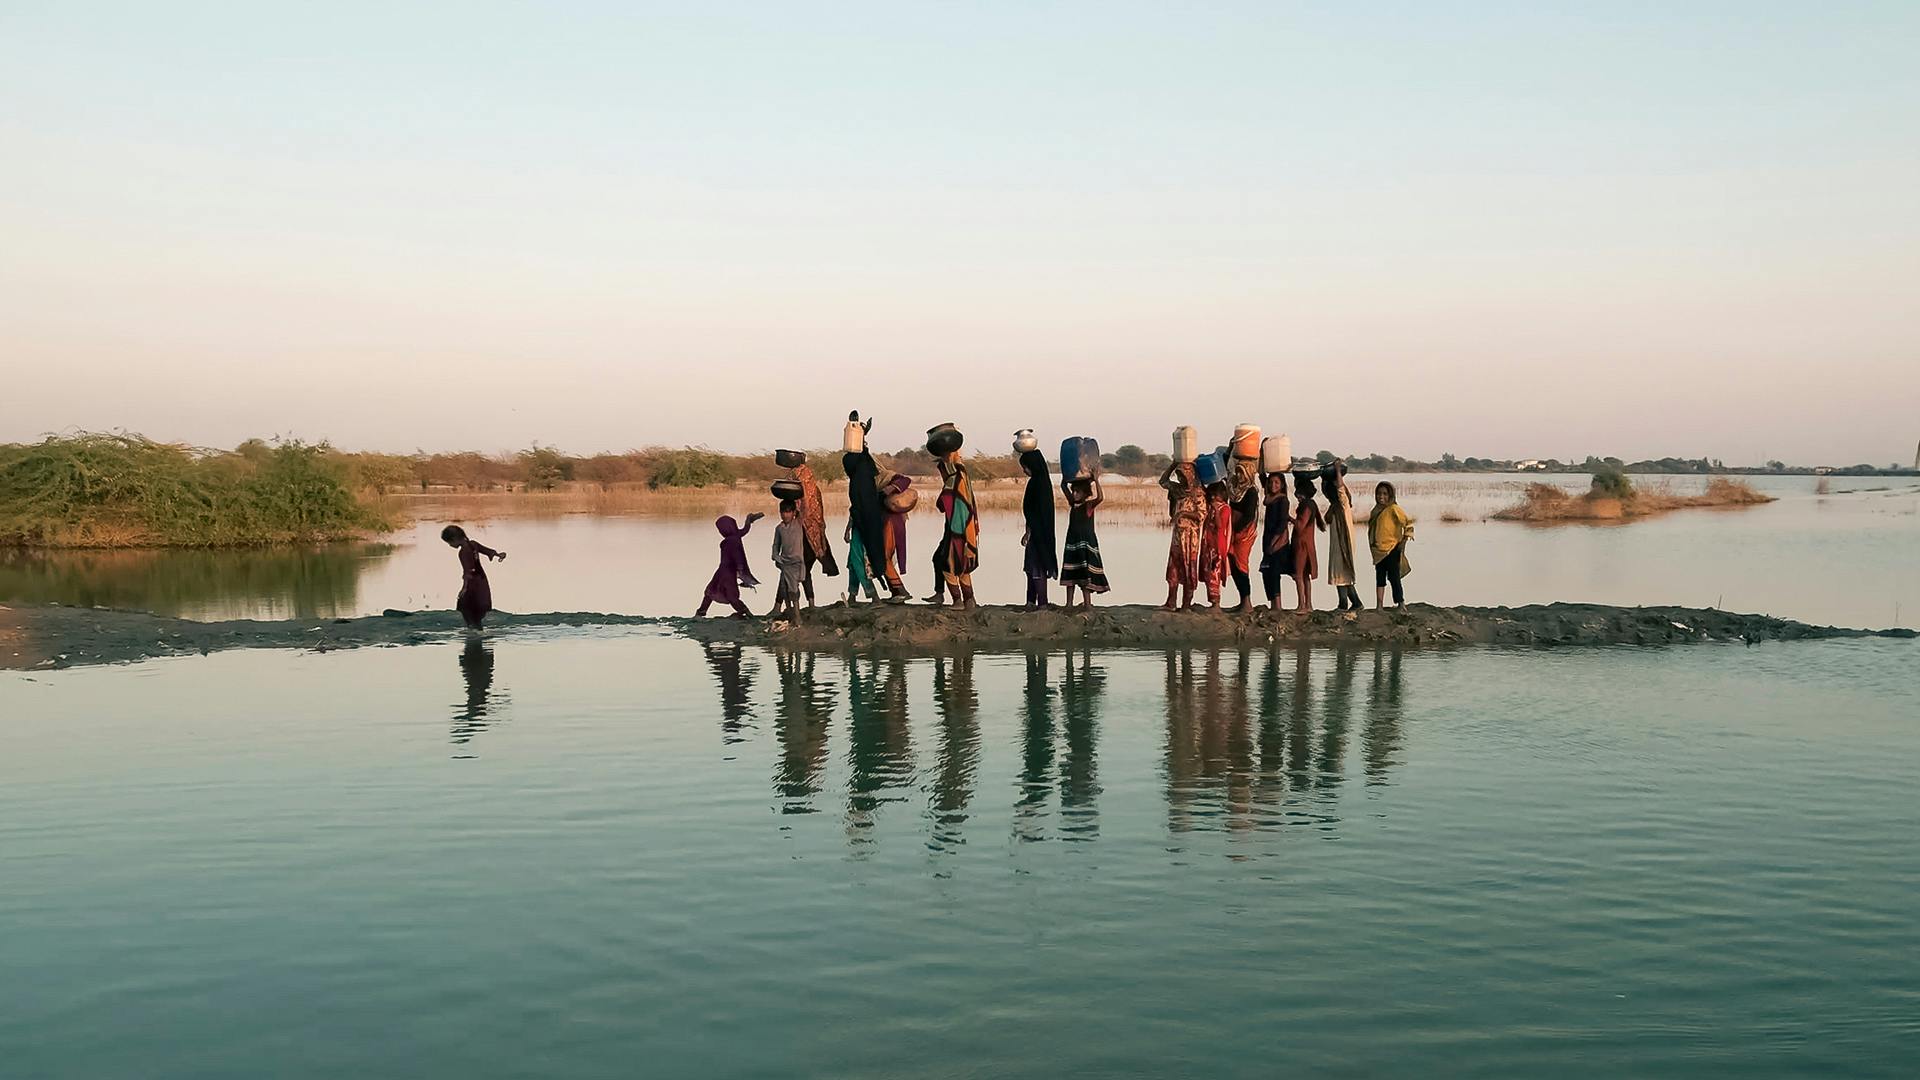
<point x="575" y="855"/>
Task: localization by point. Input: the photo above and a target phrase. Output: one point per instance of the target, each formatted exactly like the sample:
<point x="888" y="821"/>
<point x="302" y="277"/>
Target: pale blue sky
<point x="1493" y="229"/>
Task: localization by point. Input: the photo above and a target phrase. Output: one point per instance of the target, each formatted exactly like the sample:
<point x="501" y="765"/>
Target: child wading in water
<point x="733" y="573"/>
<point x="790" y="558"/>
<point x="476" y="596"/>
<point x="1081" y="567"/>
<point x="1388" y="531"/>
<point x="1306" y="549"/>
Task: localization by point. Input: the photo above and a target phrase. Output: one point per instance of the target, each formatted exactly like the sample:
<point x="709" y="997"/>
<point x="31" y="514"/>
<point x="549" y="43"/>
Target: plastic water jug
<point x="1079" y="459"/>
<point x="1210" y="468"/>
<point x="855" y="439"/>
<point x="1186" y="443"/>
<point x="1246" y="441"/>
<point x="1276" y="454"/>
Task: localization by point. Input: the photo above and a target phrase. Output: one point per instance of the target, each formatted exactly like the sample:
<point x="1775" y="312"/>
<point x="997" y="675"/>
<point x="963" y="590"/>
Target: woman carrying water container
<point x="476" y="595"/>
<point x="1187" y="506"/>
<point x="958" y="555"/>
<point x="1080" y="565"/>
<point x="1388" y="531"/>
<point x="867" y="507"/>
<point x="1042" y="563"/>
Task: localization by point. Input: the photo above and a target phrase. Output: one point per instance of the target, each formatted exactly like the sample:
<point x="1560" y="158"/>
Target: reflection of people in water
<point x="880" y="754"/>
<point x="476" y="670"/>
<point x="959" y="708"/>
<point x="1080" y="696"/>
<point x="800" y="721"/>
<point x="476" y="595"/>
<point x="736" y="686"/>
<point x="1036" y="757"/>
<point x="1336" y="713"/>
<point x="1381" y="743"/>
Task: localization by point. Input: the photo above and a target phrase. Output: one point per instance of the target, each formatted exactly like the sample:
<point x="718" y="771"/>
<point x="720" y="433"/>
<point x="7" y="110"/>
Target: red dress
<point x="1306" y="551"/>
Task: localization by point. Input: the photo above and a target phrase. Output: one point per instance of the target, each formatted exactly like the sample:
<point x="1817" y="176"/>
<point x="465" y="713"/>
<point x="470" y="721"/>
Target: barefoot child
<point x="1340" y="561"/>
<point x="1080" y="567"/>
<point x="476" y="596"/>
<point x="1216" y="542"/>
<point x="1306" y="549"/>
<point x="1187" y="505"/>
<point x="790" y="558"/>
<point x="1276" y="560"/>
<point x="1388" y="531"/>
<point x="733" y="573"/>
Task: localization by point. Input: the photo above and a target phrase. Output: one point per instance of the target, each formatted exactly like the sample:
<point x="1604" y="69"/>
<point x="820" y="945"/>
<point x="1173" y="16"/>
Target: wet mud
<point x="53" y="636"/>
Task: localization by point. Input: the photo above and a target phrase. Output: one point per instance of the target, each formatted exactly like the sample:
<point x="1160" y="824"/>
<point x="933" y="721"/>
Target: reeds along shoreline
<point x="1546" y="504"/>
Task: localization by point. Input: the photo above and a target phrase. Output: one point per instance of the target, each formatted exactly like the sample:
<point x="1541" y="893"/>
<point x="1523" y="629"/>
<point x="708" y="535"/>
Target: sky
<point x="1506" y="230"/>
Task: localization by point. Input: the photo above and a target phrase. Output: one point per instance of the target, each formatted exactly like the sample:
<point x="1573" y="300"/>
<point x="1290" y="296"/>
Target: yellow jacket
<point x="1387" y="529"/>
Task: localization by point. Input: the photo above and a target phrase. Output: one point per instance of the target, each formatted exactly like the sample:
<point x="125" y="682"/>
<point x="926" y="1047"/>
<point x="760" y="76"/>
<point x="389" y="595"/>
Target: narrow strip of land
<point x="52" y="636"/>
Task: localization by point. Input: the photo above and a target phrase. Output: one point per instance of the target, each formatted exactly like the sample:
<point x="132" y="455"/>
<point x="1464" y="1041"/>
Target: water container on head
<point x="1210" y="468"/>
<point x="788" y="489"/>
<point x="944" y="439"/>
<point x="1024" y="440"/>
<point x="855" y="439"/>
<point x="1276" y="454"/>
<point x="1246" y="441"/>
<point x="1079" y="459"/>
<point x="1186" y="443"/>
<point x="789" y="459"/>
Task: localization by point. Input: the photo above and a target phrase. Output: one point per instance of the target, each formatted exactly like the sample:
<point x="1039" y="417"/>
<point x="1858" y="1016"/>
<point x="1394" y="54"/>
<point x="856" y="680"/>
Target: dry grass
<point x="1547" y="504"/>
<point x="1131" y="498"/>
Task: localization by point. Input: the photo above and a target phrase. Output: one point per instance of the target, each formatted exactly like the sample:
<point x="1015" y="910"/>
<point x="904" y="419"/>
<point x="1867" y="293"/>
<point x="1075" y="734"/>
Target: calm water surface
<point x="565" y="855"/>
<point x="1850" y="557"/>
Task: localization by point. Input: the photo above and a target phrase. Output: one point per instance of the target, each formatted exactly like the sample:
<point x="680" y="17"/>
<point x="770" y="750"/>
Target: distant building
<point x="1823" y="470"/>
<point x="1531" y="465"/>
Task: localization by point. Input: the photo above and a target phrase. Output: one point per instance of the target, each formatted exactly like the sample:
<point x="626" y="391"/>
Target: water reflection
<point x="800" y="721"/>
<point x="1254" y="740"/>
<point x="958" y="707"/>
<point x="277" y="583"/>
<point x="725" y="660"/>
<point x="880" y="748"/>
<point x="470" y="717"/>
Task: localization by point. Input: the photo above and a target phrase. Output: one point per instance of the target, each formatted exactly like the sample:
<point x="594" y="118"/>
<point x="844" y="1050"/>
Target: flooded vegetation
<point x="1616" y="497"/>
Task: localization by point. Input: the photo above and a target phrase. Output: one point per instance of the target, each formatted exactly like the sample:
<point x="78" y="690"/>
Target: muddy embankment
<point x="53" y="636"/>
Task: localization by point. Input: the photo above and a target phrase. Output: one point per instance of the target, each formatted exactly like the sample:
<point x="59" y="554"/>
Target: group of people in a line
<point x="1215" y="530"/>
<point x="1216" y="527"/>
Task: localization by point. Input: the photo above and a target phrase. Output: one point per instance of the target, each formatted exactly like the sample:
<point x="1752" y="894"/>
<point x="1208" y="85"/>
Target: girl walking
<point x="959" y="553"/>
<point x="1388" y="531"/>
<point x="1216" y="542"/>
<point x="1340" y="560"/>
<point x="733" y="573"/>
<point x="476" y="595"/>
<point x="1306" y="550"/>
<point x="1081" y="567"/>
<point x="1276" y="560"/>
<point x="1187" y="505"/>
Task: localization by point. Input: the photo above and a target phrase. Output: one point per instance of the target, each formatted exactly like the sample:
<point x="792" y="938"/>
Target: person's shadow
<point x="476" y="670"/>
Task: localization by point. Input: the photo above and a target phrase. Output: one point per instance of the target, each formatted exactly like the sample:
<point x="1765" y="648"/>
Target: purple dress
<point x="733" y="572"/>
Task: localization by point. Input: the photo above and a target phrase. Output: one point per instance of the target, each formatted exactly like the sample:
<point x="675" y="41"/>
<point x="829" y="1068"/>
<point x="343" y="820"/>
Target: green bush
<point x="1611" y="482"/>
<point x="688" y="467"/>
<point x="95" y="490"/>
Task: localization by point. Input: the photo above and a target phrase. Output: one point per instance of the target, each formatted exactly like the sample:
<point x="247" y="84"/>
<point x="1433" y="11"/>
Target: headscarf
<point x="897" y="523"/>
<point x="733" y="553"/>
<point x="963" y="547"/>
<point x="813" y="518"/>
<point x="1038" y="508"/>
<point x="865" y="504"/>
<point x="1186" y="498"/>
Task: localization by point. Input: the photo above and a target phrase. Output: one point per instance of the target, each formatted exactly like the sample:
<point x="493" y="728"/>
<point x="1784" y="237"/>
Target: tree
<point x="1130" y="456"/>
<point x="1448" y="461"/>
<point x="544" y="468"/>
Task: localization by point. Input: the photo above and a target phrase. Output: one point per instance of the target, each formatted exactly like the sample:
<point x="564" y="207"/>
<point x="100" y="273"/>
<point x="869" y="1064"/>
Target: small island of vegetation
<point x="1615" y="497"/>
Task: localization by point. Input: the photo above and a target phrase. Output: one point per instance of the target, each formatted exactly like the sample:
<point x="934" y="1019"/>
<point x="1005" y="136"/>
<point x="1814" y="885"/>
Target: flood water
<point x="1847" y="557"/>
<point x="576" y="854"/>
